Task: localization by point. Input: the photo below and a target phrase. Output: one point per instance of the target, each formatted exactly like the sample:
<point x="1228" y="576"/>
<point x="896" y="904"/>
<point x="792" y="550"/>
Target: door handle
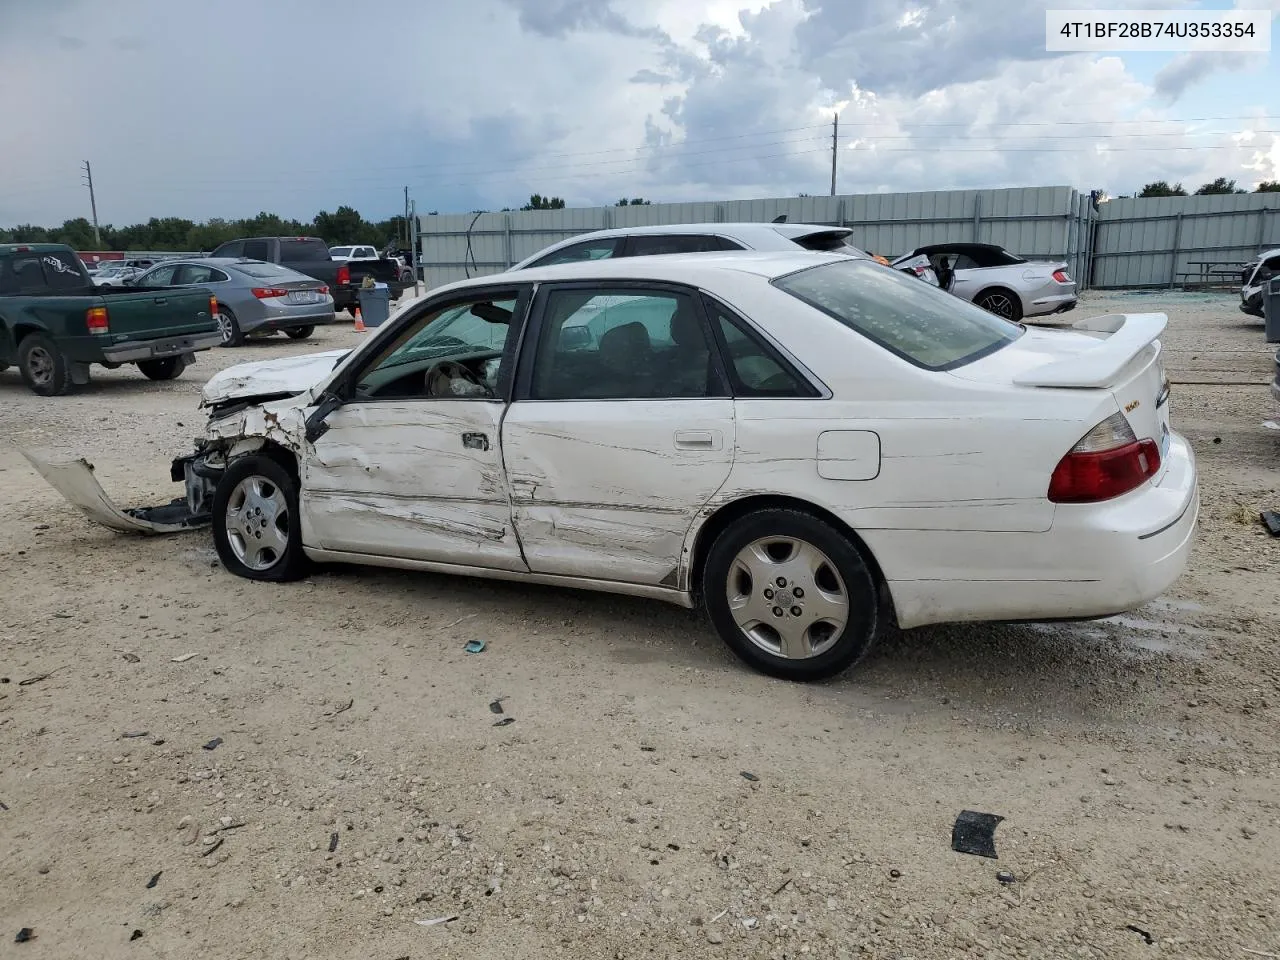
<point x="697" y="439"/>
<point x="161" y="300"/>
<point x="475" y="441"/>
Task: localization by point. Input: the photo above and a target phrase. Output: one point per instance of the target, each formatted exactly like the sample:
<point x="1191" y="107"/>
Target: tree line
<point x="1162" y="188"/>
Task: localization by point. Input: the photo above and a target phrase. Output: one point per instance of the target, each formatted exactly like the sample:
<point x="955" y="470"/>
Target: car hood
<point x="275" y="377"/>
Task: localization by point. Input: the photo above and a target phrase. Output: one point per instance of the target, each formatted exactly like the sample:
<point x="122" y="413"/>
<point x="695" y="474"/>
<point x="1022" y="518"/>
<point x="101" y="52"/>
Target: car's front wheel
<point x="790" y="594"/>
<point x="256" y="526"/>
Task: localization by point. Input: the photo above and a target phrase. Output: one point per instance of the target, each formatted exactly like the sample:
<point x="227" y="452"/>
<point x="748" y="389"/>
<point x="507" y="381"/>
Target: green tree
<point x="341" y="226"/>
<point x="1268" y="186"/>
<point x="1217" y="187"/>
<point x="1161" y="188"/>
<point x="634" y="202"/>
<point x="77" y="233"/>
<point x="538" y="202"/>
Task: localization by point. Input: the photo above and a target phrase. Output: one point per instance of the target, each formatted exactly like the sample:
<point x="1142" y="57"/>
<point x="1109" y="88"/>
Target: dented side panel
<point x="609" y="489"/>
<point x="418" y="479"/>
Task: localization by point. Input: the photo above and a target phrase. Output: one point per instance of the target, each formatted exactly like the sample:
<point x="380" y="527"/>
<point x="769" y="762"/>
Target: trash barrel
<point x="1271" y="309"/>
<point x="375" y="305"/>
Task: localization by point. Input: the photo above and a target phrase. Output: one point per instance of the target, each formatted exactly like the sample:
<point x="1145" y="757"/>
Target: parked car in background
<point x="254" y="298"/>
<point x="353" y="253"/>
<point x="55" y="322"/>
<point x="797" y="440"/>
<point x="998" y="281"/>
<point x="310" y="256"/>
<point x="113" y="274"/>
<point x="1254" y="279"/>
<point x="693" y="238"/>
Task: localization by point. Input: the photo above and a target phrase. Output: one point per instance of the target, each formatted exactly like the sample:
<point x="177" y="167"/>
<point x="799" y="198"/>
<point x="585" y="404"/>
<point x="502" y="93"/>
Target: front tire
<point x="257" y="529"/>
<point x="162" y="368"/>
<point x="299" y="333"/>
<point x="1001" y="302"/>
<point x="791" y="595"/>
<point x="44" y="367"/>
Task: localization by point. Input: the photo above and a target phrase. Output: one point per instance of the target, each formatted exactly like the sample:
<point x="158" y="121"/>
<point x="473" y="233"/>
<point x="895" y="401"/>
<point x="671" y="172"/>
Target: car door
<point x="621" y="431"/>
<point x="410" y="465"/>
<point x="161" y="276"/>
<point x="969" y="277"/>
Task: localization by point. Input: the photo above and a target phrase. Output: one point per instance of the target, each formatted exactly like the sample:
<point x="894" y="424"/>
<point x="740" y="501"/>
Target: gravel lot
<point x="1134" y="759"/>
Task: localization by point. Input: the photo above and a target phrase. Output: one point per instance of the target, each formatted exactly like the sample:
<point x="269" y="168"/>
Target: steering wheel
<point x="438" y="381"/>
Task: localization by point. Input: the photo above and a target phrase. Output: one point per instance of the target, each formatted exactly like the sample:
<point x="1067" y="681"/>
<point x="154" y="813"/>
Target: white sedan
<point x="801" y="442"/>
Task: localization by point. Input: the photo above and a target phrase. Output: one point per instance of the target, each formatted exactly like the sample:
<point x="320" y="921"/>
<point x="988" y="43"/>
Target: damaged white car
<point x="804" y="443"/>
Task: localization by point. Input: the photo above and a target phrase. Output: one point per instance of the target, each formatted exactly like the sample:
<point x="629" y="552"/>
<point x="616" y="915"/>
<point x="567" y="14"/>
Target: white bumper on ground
<point x="1095" y="561"/>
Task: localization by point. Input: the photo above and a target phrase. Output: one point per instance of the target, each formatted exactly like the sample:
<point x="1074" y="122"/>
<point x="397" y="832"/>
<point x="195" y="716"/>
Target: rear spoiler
<point x="1128" y="335"/>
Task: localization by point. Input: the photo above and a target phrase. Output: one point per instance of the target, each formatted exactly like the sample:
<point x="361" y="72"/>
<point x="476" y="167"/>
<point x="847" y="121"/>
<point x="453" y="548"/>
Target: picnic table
<point x="1209" y="272"/>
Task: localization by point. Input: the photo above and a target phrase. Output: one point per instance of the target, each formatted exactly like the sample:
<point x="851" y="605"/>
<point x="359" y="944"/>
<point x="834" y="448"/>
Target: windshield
<point x="915" y="320"/>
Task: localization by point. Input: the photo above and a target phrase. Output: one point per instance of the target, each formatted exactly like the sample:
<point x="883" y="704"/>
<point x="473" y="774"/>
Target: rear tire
<point x="1003" y="303"/>
<point x="299" y="333"/>
<point x="257" y="529"/>
<point x="229" y="327"/>
<point x="44" y="367"/>
<point x="162" y="368"/>
<point x="791" y="595"/>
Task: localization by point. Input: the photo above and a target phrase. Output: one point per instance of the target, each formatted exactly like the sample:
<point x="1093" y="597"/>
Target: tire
<point x="299" y="333"/>
<point x="740" y="577"/>
<point x="1003" y="303"/>
<point x="162" y="368"/>
<point x="229" y="327"/>
<point x="255" y="497"/>
<point x="44" y="367"/>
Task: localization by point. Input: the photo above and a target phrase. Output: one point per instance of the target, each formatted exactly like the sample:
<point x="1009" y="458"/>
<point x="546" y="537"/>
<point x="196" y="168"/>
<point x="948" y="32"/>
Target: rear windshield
<point x="49" y="272"/>
<point x="265" y="271"/>
<point x="292" y="251"/>
<point x="339" y="251"/>
<point x="915" y="320"/>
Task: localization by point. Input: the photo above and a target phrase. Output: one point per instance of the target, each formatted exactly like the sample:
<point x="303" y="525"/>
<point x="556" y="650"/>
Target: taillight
<point x="95" y="318"/>
<point x="1109" y="461"/>
<point x="324" y="291"/>
<point x="344" y="275"/>
<point x="213" y="306"/>
<point x="1061" y="276"/>
<point x="266" y="293"/>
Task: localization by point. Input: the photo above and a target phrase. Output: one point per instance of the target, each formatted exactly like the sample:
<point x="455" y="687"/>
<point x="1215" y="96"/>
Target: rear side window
<point x="755" y="368"/>
<point x="295" y="251"/>
<point x="55" y="272"/>
<point x="649" y="245"/>
<point x="920" y="323"/>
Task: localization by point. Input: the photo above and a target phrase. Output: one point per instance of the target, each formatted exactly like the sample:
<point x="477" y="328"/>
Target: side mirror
<point x="315" y="425"/>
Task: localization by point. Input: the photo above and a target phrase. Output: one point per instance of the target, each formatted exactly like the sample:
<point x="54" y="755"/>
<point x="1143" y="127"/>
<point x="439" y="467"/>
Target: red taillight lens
<point x="1109" y="461"/>
<point x="1061" y="276"/>
<point x="213" y="306"/>
<point x="344" y="276"/>
<point x="267" y="293"/>
<point x="95" y="318"/>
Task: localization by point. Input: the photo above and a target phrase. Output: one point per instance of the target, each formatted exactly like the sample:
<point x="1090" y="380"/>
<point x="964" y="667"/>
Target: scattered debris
<point x="785" y="883"/>
<point x="213" y="744"/>
<point x="36" y="679"/>
<point x="157" y="743"/>
<point x="341" y="709"/>
<point x="1005" y="877"/>
<point x="713" y="937"/>
<point x="151" y="884"/>
<point x="1261" y="953"/>
<point x="4" y="679"/>
<point x="184" y="658"/>
<point x="333" y="841"/>
<point x="645" y="748"/>
<point x="134" y="734"/>
<point x="1142" y="933"/>
<point x="895" y="874"/>
<point x="25" y="934"/>
<point x="226" y="823"/>
<point x="719" y="916"/>
<point x="975" y="833"/>
<point x="212" y="847"/>
<point x="495" y="706"/>
<point x="3" y="806"/>
<point x="504" y="722"/>
<point x="750" y="776"/>
<point x="474" y="646"/>
<point x="435" y="920"/>
<point x="1271" y="520"/>
<point x="469" y="616"/>
<point x="1271" y="425"/>
<point x="136" y="935"/>
<point x="132" y="658"/>
<point x="750" y="922"/>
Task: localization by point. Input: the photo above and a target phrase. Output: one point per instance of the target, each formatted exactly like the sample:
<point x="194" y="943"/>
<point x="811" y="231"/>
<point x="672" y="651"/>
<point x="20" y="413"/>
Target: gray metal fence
<point x="1040" y="222"/>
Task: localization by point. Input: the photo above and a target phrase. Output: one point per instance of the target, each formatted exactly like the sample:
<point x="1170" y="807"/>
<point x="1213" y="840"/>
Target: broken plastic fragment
<point x="153" y="881"/>
<point x="505" y="721"/>
<point x="25" y="934"/>
<point x="136" y="935"/>
<point x="474" y="646"/>
<point x="495" y="706"/>
<point x="750" y="776"/>
<point x="213" y="744"/>
<point x="184" y="658"/>
<point x="435" y="920"/>
<point x="975" y="833"/>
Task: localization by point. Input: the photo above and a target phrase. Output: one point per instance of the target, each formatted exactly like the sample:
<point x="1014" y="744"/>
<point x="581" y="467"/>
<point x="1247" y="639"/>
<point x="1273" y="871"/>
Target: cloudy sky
<point x="202" y="109"/>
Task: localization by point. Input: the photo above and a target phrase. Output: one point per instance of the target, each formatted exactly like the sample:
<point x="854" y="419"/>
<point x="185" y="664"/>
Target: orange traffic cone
<point x="360" y="328"/>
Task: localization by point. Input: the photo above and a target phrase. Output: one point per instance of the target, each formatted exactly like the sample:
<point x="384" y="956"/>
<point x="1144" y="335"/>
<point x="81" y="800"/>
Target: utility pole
<point x="413" y="244"/>
<point x="407" y="234"/>
<point x="93" y="204"/>
<point x="835" y="146"/>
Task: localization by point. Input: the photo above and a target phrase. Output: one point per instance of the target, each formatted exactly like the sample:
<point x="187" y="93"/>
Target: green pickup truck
<point x="54" y="323"/>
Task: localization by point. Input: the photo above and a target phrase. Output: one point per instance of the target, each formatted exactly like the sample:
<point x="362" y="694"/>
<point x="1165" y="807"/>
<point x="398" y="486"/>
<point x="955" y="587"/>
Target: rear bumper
<point x="1058" y="302"/>
<point x="1095" y="561"/>
<point x="131" y="351"/>
<point x="288" y="321"/>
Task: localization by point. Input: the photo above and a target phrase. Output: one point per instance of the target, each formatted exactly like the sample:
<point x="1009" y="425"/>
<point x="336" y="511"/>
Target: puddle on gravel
<point x="1150" y="634"/>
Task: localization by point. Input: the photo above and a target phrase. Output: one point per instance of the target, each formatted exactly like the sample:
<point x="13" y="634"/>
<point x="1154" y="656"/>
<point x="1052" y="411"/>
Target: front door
<point x="410" y="466"/>
<point x="621" y="432"/>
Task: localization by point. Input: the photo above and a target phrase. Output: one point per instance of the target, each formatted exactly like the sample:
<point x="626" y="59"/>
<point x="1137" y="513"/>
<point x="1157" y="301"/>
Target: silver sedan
<point x="255" y="298"/>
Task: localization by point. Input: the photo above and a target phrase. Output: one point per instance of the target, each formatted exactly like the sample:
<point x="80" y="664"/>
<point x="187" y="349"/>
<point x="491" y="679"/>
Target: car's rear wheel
<point x="790" y="594"/>
<point x="1001" y="302"/>
<point x="300" y="333"/>
<point x="229" y="327"/>
<point x="44" y="367"/>
<point x="256" y="526"/>
<point x="162" y="368"/>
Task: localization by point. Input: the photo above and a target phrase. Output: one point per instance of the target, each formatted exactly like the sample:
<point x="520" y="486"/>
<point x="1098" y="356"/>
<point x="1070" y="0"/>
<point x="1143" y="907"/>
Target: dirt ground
<point x="653" y="797"/>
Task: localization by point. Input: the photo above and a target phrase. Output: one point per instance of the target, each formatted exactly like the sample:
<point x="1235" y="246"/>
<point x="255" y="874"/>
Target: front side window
<point x="462" y="351"/>
<point x="622" y="344"/>
<point x="601" y="249"/>
<point x="914" y="320"/>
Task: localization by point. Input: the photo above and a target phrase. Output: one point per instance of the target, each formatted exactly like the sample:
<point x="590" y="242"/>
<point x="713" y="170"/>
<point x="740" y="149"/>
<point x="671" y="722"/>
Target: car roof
<point x="694" y="269"/>
<point x="959" y="248"/>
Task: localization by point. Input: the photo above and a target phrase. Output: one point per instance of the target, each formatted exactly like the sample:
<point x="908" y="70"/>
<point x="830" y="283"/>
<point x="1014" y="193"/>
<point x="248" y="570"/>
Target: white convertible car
<point x="804" y="443"/>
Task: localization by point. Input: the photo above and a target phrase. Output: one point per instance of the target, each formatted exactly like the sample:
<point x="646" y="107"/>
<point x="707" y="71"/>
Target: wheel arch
<point x="719" y="521"/>
<point x="1001" y="288"/>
